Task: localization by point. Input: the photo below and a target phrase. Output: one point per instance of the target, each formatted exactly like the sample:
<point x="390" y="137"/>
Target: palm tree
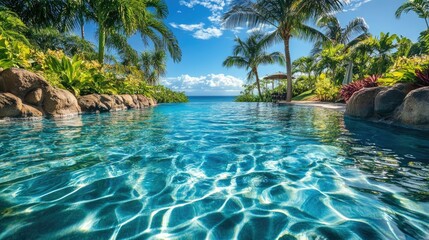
<point x="75" y="14"/>
<point x="37" y="13"/>
<point x="153" y="65"/>
<point x="381" y="48"/>
<point x="330" y="58"/>
<point x="354" y="32"/>
<point x="420" y="7"/>
<point x="250" y="54"/>
<point x="288" y="17"/>
<point x="134" y="16"/>
<point x="304" y="65"/>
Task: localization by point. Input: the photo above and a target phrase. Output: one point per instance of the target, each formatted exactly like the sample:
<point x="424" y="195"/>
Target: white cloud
<point x="188" y="27"/>
<point x="199" y="31"/>
<point x="211" y="84"/>
<point x="353" y="5"/>
<point x="212" y="5"/>
<point x="207" y="33"/>
<point x="214" y="30"/>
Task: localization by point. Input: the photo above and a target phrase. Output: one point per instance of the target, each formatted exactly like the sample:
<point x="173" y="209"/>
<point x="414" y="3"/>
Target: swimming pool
<point x="213" y="170"/>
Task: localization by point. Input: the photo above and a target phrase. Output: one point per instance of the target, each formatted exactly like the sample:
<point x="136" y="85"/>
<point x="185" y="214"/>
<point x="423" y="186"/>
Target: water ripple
<point x="212" y="171"/>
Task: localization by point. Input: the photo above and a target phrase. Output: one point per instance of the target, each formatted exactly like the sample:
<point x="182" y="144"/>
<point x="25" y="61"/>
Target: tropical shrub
<point x="13" y="53"/>
<point x="165" y="95"/>
<point x="348" y="90"/>
<point x="302" y="84"/>
<point x="247" y="98"/>
<point x="326" y="90"/>
<point x="404" y="70"/>
<point x="69" y="72"/>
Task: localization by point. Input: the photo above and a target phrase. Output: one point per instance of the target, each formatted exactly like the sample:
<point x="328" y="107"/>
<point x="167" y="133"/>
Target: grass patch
<point x="306" y="96"/>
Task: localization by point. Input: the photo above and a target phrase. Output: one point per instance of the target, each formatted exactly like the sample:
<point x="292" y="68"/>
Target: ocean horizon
<point x="211" y="98"/>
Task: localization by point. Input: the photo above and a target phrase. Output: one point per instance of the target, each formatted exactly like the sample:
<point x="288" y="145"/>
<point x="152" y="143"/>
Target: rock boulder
<point x="60" y="103"/>
<point x="361" y="104"/>
<point x="34" y="97"/>
<point x="20" y="82"/>
<point x="388" y="100"/>
<point x="415" y="108"/>
<point x="128" y="101"/>
<point x="10" y="105"/>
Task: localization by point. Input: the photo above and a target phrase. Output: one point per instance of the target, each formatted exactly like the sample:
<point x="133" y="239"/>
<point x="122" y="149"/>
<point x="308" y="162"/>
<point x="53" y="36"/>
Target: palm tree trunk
<point x="288" y="69"/>
<point x="82" y="25"/>
<point x="101" y="44"/>
<point x="258" y="83"/>
<point x="82" y="31"/>
<point x="427" y="24"/>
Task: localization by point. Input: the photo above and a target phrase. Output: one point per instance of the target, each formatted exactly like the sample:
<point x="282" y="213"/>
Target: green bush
<point x="404" y="70"/>
<point x="326" y="90"/>
<point x="302" y="84"/>
<point x="13" y="53"/>
<point x="69" y="71"/>
<point x="165" y="95"/>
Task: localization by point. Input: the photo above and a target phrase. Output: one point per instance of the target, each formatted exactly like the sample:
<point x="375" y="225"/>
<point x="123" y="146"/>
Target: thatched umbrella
<point x="276" y="76"/>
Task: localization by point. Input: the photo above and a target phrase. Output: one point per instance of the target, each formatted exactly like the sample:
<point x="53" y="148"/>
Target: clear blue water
<point x="213" y="170"/>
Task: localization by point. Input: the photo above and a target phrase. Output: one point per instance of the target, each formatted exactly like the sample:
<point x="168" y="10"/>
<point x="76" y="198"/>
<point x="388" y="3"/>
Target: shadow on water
<point x="408" y="145"/>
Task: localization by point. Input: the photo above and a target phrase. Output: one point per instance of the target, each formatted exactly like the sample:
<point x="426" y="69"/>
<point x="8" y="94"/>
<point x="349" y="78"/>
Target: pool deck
<point x="335" y="106"/>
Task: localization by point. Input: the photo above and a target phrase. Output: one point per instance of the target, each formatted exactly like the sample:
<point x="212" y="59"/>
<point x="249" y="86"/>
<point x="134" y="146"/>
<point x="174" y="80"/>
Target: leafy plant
<point x="13" y="53"/>
<point x="423" y="76"/>
<point x="69" y="71"/>
<point x="303" y="84"/>
<point x="348" y="90"/>
<point x="404" y="70"/>
<point x="326" y="90"/>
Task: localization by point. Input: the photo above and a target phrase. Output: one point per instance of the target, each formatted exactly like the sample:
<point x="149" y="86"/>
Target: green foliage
<point x="303" y="84"/>
<point x="247" y="98"/>
<point x="153" y="65"/>
<point x="13" y="53"/>
<point x="288" y="18"/>
<point x="11" y="27"/>
<point x="66" y="61"/>
<point x="165" y="95"/>
<point x="69" y="71"/>
<point x="326" y="90"/>
<point x="404" y="70"/>
<point x="51" y="39"/>
<point x="331" y="59"/>
<point x="249" y="54"/>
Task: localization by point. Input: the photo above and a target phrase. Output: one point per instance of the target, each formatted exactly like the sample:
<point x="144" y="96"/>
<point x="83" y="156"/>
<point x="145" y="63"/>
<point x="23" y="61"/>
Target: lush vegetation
<point x="37" y="35"/>
<point x="344" y="58"/>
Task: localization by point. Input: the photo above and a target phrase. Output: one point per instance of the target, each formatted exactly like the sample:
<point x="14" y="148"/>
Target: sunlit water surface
<point x="213" y="170"/>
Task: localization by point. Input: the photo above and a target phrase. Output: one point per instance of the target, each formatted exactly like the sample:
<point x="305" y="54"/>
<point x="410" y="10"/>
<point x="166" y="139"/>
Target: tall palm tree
<point x="420" y="7"/>
<point x="250" y="54"/>
<point x="288" y="17"/>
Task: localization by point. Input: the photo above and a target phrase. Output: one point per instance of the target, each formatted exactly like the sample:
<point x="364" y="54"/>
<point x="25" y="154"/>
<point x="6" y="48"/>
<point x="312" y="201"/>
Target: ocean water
<point x="213" y="169"/>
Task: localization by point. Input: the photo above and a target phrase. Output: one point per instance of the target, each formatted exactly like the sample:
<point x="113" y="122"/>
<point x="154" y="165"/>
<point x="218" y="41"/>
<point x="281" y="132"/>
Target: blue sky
<point x="205" y="44"/>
